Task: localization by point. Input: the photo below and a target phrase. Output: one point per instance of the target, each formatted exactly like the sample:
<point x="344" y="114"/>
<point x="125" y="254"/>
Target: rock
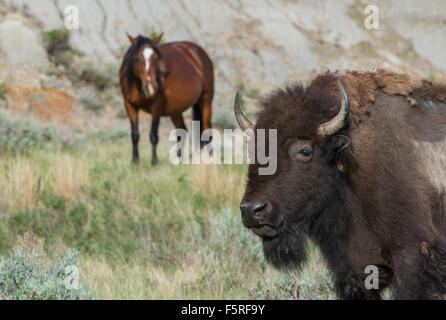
<point x="20" y="43"/>
<point x="48" y="105"/>
<point x="41" y="10"/>
<point x="258" y="43"/>
<point x="425" y="28"/>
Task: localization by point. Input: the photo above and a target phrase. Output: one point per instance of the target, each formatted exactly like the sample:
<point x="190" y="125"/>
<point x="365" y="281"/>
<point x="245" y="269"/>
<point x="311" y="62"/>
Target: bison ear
<point x="341" y="142"/>
<point x="333" y="154"/>
<point x="335" y="145"/>
<point x="133" y="40"/>
<point x="157" y="39"/>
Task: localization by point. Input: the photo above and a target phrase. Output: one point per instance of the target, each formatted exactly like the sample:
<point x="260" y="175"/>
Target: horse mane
<point x="141" y="41"/>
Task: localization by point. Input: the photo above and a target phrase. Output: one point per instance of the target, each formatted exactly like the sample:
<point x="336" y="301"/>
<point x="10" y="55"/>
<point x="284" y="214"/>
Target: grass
<point x="164" y="232"/>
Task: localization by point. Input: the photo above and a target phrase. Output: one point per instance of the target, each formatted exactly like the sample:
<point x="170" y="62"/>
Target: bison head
<point x="284" y="207"/>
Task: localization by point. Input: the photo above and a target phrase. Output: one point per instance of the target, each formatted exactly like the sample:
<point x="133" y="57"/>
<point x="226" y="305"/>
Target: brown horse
<point x="165" y="80"/>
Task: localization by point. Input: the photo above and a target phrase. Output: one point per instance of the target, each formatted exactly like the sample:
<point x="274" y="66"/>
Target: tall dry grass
<point x="20" y="183"/>
<point x="218" y="183"/>
<point x="23" y="179"/>
<point x="141" y="281"/>
<point x="70" y="176"/>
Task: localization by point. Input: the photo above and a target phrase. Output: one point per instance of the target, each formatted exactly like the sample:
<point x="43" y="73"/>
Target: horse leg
<point x="196" y="116"/>
<point x="206" y="111"/>
<point x="203" y="109"/>
<point x="133" y="117"/>
<point x="178" y="122"/>
<point x="154" y="136"/>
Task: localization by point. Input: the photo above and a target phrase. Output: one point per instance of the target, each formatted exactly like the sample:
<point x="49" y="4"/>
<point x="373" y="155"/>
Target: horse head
<point x="147" y="63"/>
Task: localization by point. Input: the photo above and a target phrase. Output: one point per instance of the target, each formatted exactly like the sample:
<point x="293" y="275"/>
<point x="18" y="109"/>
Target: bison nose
<point x="251" y="208"/>
<point x="253" y="214"/>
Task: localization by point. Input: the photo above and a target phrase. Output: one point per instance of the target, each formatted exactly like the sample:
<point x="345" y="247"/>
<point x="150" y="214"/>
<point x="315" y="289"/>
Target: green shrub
<point x="101" y="78"/>
<point x="2" y="90"/>
<point x="56" y="40"/>
<point x="24" y="277"/>
<point x="109" y="135"/>
<point x="154" y="34"/>
<point x="253" y="93"/>
<point x="19" y="134"/>
<point x="91" y="103"/>
<point x="224" y="119"/>
<point x="242" y="101"/>
<point x="295" y="286"/>
<point x="312" y="282"/>
<point x="78" y="52"/>
<point x="121" y="112"/>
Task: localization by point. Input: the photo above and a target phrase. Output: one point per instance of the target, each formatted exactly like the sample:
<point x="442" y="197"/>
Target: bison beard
<point x="288" y="249"/>
<point x="326" y="223"/>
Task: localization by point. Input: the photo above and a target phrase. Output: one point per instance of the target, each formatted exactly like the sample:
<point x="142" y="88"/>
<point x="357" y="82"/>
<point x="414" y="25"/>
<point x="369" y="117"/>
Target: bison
<point x="361" y="171"/>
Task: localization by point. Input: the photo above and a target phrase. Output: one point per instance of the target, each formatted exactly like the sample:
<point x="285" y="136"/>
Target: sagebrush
<point x="23" y="277"/>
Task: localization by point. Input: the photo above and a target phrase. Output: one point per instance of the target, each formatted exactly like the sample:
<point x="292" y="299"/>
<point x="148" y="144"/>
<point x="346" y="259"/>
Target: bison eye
<point x="305" y="154"/>
<point x="301" y="149"/>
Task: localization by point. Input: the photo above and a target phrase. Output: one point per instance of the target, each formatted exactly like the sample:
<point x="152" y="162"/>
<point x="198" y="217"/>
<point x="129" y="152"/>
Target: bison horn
<point x="242" y="121"/>
<point x="337" y="123"/>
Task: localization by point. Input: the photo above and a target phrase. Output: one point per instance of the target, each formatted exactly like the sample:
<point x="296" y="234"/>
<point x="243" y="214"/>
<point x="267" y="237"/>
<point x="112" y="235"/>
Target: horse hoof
<point x="135" y="162"/>
<point x="154" y="162"/>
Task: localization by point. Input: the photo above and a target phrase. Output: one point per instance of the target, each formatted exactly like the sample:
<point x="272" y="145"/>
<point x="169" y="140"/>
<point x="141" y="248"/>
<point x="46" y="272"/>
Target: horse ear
<point x="132" y="39"/>
<point x="157" y="39"/>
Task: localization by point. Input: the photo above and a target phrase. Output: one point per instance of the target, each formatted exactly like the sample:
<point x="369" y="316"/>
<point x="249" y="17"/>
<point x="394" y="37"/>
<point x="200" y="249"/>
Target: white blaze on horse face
<point x="147" y="53"/>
